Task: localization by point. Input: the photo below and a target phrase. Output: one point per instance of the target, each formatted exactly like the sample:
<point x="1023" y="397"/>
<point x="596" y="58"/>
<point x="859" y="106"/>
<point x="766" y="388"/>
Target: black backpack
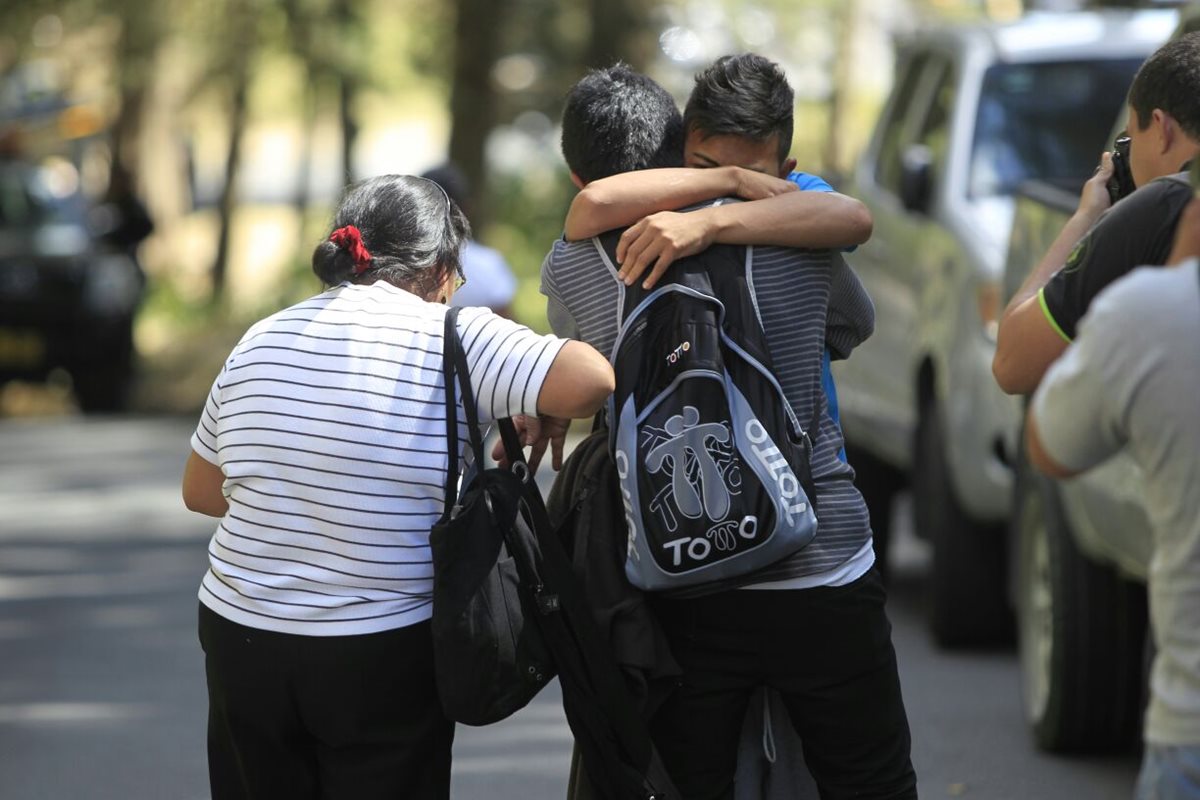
<point x="714" y="465"/>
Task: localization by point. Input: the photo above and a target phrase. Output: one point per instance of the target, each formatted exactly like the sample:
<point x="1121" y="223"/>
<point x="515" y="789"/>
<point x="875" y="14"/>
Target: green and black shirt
<point x="1137" y="231"/>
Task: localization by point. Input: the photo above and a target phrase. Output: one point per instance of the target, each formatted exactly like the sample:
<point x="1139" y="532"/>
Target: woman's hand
<point x="536" y="433"/>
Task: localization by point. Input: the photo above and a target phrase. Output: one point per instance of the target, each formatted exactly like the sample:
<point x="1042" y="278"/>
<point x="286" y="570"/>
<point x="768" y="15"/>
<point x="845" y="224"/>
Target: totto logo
<point x="776" y="465"/>
<point x="678" y="352"/>
<point x="622" y="463"/>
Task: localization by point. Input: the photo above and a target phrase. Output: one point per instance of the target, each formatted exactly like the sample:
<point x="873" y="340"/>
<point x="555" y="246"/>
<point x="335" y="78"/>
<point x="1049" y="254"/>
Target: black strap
<point x="454" y="374"/>
<point x="585" y="645"/>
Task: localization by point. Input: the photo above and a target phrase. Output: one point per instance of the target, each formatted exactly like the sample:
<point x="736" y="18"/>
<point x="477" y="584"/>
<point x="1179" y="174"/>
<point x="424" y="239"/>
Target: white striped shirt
<point x="328" y="421"/>
<point x="808" y="300"/>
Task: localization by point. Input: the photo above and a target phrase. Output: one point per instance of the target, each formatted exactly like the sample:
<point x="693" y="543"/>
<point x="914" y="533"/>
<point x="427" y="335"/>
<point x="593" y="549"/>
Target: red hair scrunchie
<point x="349" y="238"/>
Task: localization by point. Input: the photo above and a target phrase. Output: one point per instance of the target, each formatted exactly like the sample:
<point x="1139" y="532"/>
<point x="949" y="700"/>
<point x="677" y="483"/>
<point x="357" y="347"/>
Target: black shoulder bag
<point x="490" y="656"/>
<point x="507" y="615"/>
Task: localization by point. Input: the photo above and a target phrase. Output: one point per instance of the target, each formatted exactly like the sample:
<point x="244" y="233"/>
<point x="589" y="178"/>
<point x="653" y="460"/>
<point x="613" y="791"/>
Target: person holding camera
<point x="1131" y="380"/>
<point x="1103" y="240"/>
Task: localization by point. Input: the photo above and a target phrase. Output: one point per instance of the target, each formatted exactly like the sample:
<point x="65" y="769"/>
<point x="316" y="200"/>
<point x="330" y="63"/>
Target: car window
<point x="1045" y="121"/>
<point x="934" y="132"/>
<point x="888" y="164"/>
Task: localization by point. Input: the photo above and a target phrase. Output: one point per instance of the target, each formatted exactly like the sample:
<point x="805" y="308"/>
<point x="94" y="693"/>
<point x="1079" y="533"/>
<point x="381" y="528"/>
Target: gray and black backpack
<point x="714" y="467"/>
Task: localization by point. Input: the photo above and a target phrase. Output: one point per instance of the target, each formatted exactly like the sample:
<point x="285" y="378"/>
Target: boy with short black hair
<point x="820" y="635"/>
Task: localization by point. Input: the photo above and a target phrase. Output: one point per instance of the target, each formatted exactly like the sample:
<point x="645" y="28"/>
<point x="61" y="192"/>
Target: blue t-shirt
<point x="809" y="183"/>
<point x="815" y="183"/>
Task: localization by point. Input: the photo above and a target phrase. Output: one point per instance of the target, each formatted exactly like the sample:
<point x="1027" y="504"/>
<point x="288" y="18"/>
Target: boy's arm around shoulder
<point x="620" y="200"/>
<point x="808" y="220"/>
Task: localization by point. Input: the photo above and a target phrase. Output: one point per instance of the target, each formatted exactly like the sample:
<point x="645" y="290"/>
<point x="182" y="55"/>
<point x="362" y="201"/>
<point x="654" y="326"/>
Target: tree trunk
<point x="240" y="75"/>
<point x="135" y="56"/>
<point x="618" y="33"/>
<point x="473" y="105"/>
<point x="839" y="100"/>
<point x="347" y="86"/>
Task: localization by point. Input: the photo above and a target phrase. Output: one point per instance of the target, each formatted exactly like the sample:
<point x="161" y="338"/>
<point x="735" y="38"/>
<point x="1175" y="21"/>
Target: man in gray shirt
<point x="1132" y="380"/>
<point x="813" y="625"/>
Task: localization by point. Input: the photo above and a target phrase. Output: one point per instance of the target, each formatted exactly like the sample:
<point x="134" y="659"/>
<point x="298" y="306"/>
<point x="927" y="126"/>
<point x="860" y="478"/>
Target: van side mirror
<point x="916" y="178"/>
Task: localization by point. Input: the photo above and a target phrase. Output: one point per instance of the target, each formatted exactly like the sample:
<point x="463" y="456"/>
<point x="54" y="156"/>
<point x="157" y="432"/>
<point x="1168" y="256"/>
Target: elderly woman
<point x="322" y="450"/>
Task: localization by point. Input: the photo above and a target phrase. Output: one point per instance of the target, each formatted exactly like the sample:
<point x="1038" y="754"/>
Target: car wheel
<point x="967" y="602"/>
<point x="1081" y="631"/>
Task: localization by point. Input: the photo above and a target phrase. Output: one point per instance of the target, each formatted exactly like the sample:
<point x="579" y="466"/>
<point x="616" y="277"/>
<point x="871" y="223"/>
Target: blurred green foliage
<point x="168" y="77"/>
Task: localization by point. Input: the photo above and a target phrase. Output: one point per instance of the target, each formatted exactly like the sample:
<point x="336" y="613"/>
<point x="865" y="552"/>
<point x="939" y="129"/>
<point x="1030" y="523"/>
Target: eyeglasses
<point x="460" y="281"/>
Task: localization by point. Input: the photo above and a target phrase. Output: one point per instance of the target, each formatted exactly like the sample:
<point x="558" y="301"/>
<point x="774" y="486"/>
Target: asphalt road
<point x="101" y="679"/>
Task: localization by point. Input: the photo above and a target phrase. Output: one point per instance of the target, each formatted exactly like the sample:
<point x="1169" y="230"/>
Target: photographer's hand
<point x="1026" y="343"/>
<point x="1094" y="199"/>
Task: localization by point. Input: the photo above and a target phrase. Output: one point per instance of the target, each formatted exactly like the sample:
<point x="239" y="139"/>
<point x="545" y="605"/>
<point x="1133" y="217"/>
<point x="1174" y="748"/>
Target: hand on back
<point x="657" y="240"/>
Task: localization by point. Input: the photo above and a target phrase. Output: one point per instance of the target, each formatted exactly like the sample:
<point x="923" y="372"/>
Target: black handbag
<point x="507" y="615"/>
<point x="490" y="656"/>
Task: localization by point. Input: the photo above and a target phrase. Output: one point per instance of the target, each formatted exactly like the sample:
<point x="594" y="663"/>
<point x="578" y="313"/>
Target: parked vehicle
<point x="1081" y="552"/>
<point x="67" y="295"/>
<point x="976" y="111"/>
<point x="70" y="283"/>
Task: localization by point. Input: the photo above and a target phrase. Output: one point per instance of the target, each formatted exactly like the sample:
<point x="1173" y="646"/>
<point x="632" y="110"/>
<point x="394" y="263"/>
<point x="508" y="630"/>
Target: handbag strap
<point x="555" y="585"/>
<point x="455" y="376"/>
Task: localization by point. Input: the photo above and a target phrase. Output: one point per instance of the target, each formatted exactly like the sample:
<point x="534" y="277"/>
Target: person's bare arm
<point x="1028" y="342"/>
<point x="816" y="220"/>
<point x="578" y="383"/>
<point x="1037" y="453"/>
<point x="202" y="482"/>
<point x="621" y="200"/>
<point x="537" y="433"/>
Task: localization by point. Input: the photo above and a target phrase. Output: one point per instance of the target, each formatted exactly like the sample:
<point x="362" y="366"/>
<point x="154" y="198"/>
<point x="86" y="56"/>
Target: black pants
<point x="330" y="717"/>
<point x="828" y="652"/>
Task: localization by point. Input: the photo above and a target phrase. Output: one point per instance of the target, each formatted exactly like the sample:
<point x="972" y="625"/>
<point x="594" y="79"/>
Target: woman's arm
<point x="621" y="200"/>
<point x="578" y="383"/>
<point x="576" y="386"/>
<point x="202" y="482"/>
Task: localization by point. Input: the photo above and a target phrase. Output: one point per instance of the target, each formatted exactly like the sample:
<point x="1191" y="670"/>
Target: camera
<point x="1120" y="184"/>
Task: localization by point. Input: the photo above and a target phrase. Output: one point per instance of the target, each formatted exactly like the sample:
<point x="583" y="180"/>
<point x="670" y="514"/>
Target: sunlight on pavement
<point x="73" y="712"/>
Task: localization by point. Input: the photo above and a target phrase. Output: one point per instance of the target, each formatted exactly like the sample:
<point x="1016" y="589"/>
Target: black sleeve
<point x="1137" y="231"/>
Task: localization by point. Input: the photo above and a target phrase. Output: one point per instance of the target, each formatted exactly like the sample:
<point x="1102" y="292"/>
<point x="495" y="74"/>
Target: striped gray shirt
<point x="328" y="421"/>
<point x="807" y="299"/>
